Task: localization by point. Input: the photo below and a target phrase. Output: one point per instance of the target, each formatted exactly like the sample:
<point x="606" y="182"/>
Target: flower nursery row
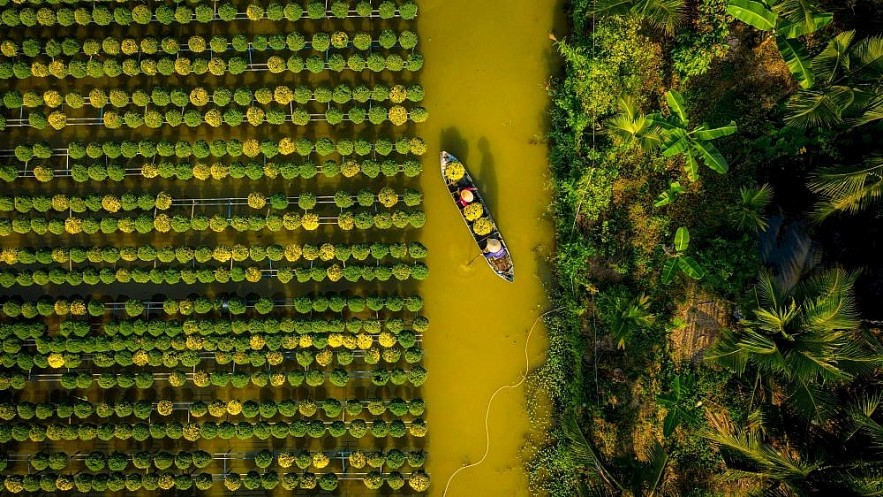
<point x="183" y="65"/>
<point x="163" y="223"/>
<point x="291" y="40"/>
<point x="200" y="96"/>
<point x="122" y="15"/>
<point x="391" y="460"/>
<point x="201" y="149"/>
<point x="203" y="305"/>
<point x="162" y="201"/>
<point x="183" y="254"/>
<point x="80" y="409"/>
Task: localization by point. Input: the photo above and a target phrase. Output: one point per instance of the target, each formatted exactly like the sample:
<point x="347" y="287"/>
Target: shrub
<point x="408" y="10"/>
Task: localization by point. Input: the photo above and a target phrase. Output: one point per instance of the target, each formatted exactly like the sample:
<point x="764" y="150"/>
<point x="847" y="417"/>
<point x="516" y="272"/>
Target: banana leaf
<point x="690" y="267"/>
<point x="797" y="60"/>
<point x="753" y="13"/>
<point x="712" y="134"/>
<point x="711" y="156"/>
<point x="682" y="239"/>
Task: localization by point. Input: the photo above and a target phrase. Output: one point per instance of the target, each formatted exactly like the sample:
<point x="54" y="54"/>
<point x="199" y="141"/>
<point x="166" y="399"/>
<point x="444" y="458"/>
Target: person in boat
<point x="494" y="249"/>
<point x="466" y="196"/>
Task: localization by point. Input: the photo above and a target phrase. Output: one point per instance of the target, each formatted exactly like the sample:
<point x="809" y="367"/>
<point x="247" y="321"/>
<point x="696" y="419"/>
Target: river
<point x="486" y="76"/>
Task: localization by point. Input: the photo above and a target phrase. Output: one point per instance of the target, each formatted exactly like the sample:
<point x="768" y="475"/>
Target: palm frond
<point x="861" y="412"/>
<point x="747" y="214"/>
<point x="864" y="485"/>
<point x="800" y="17"/>
<point x="767" y="463"/>
<point x="809" y="399"/>
<point x="665" y="15"/>
<point x="652" y="471"/>
<point x="868" y="63"/>
<point x="630" y="125"/>
<point x="727" y="353"/>
<point x="584" y="452"/>
<point x="611" y="7"/>
<point x="848" y="189"/>
<point x="829" y="63"/>
<point x="818" y="108"/>
<point x="869" y="112"/>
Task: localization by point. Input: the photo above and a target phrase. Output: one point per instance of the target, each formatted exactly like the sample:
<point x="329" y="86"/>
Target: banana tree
<point x="787" y="20"/>
<point x="628" y="317"/>
<point x="668" y="196"/>
<point x="694" y="144"/>
<point x="672" y="134"/>
<point x="679" y="261"/>
<point x="680" y="410"/>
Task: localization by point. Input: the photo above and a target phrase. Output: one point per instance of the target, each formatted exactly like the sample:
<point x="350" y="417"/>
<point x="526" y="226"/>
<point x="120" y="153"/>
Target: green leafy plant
<point x="673" y="134"/>
<point x="678" y="261"/>
<point x="788" y="20"/>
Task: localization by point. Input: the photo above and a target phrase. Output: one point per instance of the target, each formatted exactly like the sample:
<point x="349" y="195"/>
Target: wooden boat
<point x="500" y="259"/>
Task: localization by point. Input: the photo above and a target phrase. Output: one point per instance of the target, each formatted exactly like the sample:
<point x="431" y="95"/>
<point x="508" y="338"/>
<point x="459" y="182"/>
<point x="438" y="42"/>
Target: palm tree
<point x="848" y="95"/>
<point x="631" y="126"/>
<point x="832" y="459"/>
<point x="848" y="189"/>
<point x="782" y="472"/>
<point x="603" y="476"/>
<point x="804" y="336"/>
<point x="747" y="214"/>
<point x="665" y="15"/>
<point x="849" y="89"/>
<point x="628" y="317"/>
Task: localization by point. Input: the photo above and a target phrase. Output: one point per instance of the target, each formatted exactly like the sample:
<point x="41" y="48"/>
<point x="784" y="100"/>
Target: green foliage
<point x="624" y="62"/>
<point x="666" y="15"/>
<point x="804" y="336"/>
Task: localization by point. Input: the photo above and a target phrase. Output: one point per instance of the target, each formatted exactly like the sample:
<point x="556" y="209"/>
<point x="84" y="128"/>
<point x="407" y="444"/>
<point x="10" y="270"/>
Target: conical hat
<point x="493" y="245"/>
<point x="466" y="195"/>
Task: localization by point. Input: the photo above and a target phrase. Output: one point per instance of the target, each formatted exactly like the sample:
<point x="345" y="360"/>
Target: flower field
<point x="210" y="248"/>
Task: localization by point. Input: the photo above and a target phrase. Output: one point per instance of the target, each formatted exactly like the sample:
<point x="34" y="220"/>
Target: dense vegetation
<point x="208" y="235"/>
<point x="716" y="169"/>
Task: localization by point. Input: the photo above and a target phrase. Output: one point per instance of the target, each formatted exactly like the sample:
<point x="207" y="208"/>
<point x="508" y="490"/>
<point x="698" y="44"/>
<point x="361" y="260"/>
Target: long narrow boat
<point x="490" y="242"/>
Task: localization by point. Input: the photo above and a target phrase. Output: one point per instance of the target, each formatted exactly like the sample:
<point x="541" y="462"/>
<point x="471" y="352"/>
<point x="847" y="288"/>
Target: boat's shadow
<point x="452" y="141"/>
<point x="484" y="170"/>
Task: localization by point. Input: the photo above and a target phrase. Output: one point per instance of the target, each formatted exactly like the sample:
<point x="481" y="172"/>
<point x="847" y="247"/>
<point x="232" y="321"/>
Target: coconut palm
<point x="848" y="95"/>
<point x="804" y="337"/>
<point x="782" y="473"/>
<point x="848" y="189"/>
<point x="603" y="476"/>
<point x="628" y="317"/>
<point x="631" y="126"/>
<point x="848" y="88"/>
<point x="839" y="458"/>
<point x="747" y="214"/>
<point x="665" y="15"/>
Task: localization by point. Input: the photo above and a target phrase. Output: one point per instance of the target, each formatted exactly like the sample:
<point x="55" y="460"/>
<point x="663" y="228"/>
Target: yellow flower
<point x="482" y="226"/>
<point x="473" y="211"/>
<point x="455" y="171"/>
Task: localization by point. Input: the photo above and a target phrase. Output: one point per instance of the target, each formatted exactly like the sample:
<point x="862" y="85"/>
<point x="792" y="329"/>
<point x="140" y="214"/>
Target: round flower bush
<point x="455" y="171"/>
<point x="473" y="211"/>
<point x="398" y="115"/>
<point x="482" y="226"/>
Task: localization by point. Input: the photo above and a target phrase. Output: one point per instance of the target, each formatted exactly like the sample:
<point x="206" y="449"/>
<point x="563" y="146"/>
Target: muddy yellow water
<point x="488" y="65"/>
